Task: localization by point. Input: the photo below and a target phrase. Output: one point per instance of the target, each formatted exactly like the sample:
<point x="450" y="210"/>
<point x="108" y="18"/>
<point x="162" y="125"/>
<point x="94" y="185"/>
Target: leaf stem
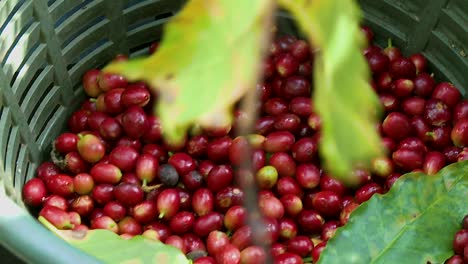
<point x="245" y="128"/>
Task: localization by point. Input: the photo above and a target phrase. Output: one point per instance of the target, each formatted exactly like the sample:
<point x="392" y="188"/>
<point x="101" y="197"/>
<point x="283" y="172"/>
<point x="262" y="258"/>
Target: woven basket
<point x="46" y="46"/>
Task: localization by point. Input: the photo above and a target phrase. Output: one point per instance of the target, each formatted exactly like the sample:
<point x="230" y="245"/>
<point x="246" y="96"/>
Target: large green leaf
<point x="209" y="56"/>
<point x="413" y="223"/>
<point x="111" y="248"/>
<point x="343" y="97"/>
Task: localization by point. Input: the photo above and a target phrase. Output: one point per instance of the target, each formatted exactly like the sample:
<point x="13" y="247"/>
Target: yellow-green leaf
<point x="110" y="248"/>
<point x="414" y="223"/>
<point x="348" y="106"/>
<point x="209" y="56"/>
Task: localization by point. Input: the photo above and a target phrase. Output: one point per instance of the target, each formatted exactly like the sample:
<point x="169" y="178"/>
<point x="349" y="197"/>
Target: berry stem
<point x="389" y="43"/>
<point x="150" y="188"/>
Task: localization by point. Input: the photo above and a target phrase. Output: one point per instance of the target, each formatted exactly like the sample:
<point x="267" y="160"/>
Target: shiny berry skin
<point x="253" y="255"/>
<point x="242" y="237"/>
<point x="168" y="203"/>
<point x="292" y="204"/>
<point x="288" y="185"/>
<point x="103" y="193"/>
<point x="192" y="180"/>
<point x="382" y="166"/>
<point x="60" y="184"/>
<point x="163" y="230"/>
<point x="317" y="251"/>
<point x="196" y="146"/>
<point x="437" y="113"/>
<point x="378" y="62"/>
<point x="182" y="222"/>
<point x="455" y="259"/>
<point x="288" y="258"/>
<point x="209" y="222"/>
<point x="202" y="201"/>
<point x="286" y="65"/>
<point x="153" y="133"/>
<point x="329" y="229"/>
<point x="295" y="86"/>
<point x="304" y="150"/>
<point x="112" y="101"/>
<point x="460" y="241"/>
<point x="274" y="107"/>
<point x="78" y="121"/>
<point x="310" y="221"/>
<point x="46" y="170"/>
<point x="433" y="162"/>
<point x="229" y="255"/>
<point x="287" y="228"/>
<point x="365" y="192"/>
<point x="66" y="143"/>
<point x="459" y="133"/>
<point x="412" y="143"/>
<point x="460" y="110"/>
<point x="346" y="212"/>
<point x="424" y="85"/>
<point x="327" y="203"/>
<point x="308" y="176"/>
<point x="396" y="126"/>
<point x="288" y="122"/>
<point x="451" y="154"/>
<point x="328" y="183"/>
<point x="219" y="177"/>
<point x="235" y="217"/>
<point x="447" y="93"/>
<point x="227" y="197"/>
<point x="177" y="242"/>
<point x="301" y="106"/>
<point x="216" y="241"/>
<point x="115" y="210"/>
<point x="264" y="125"/>
<point x="106" y="173"/>
<point x="182" y="162"/>
<point x="135" y="94"/>
<point x="135" y="122"/>
<point x="91" y="148"/>
<point x="413" y="106"/>
<point x="283" y="163"/>
<point x="270" y="206"/>
<point x="402" y="68"/>
<point x="57" y="201"/>
<point x="124" y="157"/>
<point x="57" y="217"/>
<point x="301" y="245"/>
<point x="34" y="192"/>
<point x="218" y="149"/>
<point x="144" y="212"/>
<point x="128" y="194"/>
<point x="277" y="249"/>
<point x="408" y="159"/>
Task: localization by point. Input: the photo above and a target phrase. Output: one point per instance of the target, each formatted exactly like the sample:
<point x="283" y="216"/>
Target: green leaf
<point x="209" y="56"/>
<point x="348" y="106"/>
<point x="413" y="223"/>
<point x="111" y="248"/>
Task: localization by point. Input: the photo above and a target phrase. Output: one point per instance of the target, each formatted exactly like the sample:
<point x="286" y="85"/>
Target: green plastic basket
<point x="46" y="46"/>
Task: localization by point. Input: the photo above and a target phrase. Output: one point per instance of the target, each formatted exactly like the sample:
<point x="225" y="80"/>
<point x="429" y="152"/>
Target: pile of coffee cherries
<point x="113" y="170"/>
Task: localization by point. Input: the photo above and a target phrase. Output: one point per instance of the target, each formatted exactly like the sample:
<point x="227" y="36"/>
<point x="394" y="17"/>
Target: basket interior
<point x="46" y="46"/>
